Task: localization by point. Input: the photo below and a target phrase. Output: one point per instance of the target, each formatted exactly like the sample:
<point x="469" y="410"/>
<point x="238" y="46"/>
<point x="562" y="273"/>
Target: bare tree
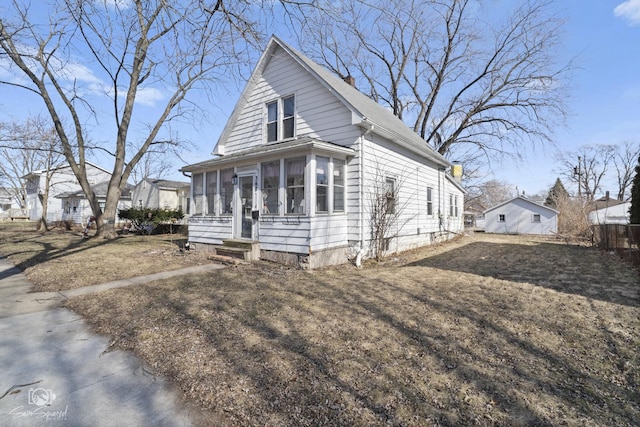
<point x="587" y="167"/>
<point x="133" y="49"/>
<point x="624" y="161"/>
<point x="458" y="77"/>
<point x="27" y="147"/>
<point x="490" y="193"/>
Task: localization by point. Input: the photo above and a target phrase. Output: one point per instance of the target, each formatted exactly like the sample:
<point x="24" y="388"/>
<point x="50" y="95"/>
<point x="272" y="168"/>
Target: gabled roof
<point x="166" y="184"/>
<point x="368" y="114"/>
<point x="521" y="198"/>
<point x="100" y="189"/>
<point x="65" y="166"/>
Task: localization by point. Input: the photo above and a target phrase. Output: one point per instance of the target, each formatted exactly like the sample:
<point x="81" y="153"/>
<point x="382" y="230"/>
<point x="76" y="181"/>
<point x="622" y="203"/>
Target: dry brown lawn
<point x="487" y="330"/>
<point x="60" y="259"/>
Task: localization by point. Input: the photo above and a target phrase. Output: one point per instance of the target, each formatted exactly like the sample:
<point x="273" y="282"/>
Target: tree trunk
<point x="43" y="219"/>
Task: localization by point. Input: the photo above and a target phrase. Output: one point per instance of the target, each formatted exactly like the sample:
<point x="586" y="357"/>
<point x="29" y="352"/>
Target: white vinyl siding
<point x="318" y="113"/>
<point x="521" y="216"/>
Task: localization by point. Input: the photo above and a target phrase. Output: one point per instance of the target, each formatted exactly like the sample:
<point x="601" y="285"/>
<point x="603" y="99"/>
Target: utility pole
<point x="577" y="171"/>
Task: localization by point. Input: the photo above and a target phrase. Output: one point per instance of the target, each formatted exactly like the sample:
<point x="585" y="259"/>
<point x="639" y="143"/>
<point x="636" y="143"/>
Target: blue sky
<point x="602" y="37"/>
<point x="604" y="107"/>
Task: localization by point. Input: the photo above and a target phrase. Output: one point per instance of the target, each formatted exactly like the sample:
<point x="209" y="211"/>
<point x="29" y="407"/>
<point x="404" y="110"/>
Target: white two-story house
<point x="300" y="167"/>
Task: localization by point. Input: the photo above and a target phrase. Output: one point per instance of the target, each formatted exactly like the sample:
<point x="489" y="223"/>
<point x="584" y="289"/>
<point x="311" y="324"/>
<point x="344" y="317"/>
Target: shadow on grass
<point x="361" y="350"/>
<point x="563" y="268"/>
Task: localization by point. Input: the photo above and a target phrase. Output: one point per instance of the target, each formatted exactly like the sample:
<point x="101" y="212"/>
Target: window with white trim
<point x="429" y="201"/>
<point x="281" y="123"/>
<point x="322" y="184"/>
<point x="502" y="218"/>
<point x="456" y="212"/>
<point x="338" y="185"/>
<point x="390" y="194"/>
<point x="226" y="191"/>
<point x="270" y="186"/>
<point x="197" y="193"/>
<point x="212" y="191"/>
<point x="294" y="173"/>
<point x="535" y="218"/>
<point x="450" y="204"/>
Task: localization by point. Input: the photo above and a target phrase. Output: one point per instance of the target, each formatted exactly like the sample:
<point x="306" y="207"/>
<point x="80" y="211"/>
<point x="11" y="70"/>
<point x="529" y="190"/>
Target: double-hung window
<point x="338" y="185"/>
<point x="212" y="190"/>
<point x="451" y="205"/>
<point x="270" y="185"/>
<point x="281" y="119"/>
<point x="455" y="206"/>
<point x="390" y="194"/>
<point x="322" y="184"/>
<point x="197" y="193"/>
<point x="272" y="121"/>
<point x="294" y="172"/>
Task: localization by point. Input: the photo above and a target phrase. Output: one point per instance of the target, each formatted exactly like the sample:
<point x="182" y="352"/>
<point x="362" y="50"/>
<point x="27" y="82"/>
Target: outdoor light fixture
<point x="234" y="179"/>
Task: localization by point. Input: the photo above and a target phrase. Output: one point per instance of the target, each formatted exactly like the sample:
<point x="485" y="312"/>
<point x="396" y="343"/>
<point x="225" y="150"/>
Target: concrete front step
<point x="242" y="249"/>
<point x="232" y="252"/>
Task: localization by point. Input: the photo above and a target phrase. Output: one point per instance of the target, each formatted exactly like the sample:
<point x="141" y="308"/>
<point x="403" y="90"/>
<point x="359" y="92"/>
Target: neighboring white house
<point x="76" y="207"/>
<point x="9" y="206"/>
<point x="63" y="181"/>
<point x="617" y="214"/>
<point x="299" y="161"/>
<point x="521" y="215"/>
<point x="161" y="193"/>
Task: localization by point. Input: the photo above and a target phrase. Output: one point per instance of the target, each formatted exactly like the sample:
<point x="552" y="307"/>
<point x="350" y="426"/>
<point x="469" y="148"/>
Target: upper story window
<point x="281" y="119"/>
<point x="502" y="218"/>
<point x="535" y="218"/>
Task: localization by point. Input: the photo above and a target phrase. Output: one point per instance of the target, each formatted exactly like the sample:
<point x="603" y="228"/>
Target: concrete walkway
<point x="54" y="370"/>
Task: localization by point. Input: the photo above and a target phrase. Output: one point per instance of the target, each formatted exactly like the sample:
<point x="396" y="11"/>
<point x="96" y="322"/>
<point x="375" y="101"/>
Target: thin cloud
<point x="629" y="11"/>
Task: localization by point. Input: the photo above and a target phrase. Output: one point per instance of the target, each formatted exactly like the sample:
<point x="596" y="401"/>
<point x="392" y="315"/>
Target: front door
<point x="245" y="219"/>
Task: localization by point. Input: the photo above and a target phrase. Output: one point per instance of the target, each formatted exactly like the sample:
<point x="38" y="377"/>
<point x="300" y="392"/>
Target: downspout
<point x="361" y="251"/>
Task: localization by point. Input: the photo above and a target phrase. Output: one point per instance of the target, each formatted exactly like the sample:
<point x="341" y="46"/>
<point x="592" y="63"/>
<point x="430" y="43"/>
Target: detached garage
<point x="521" y="216"/>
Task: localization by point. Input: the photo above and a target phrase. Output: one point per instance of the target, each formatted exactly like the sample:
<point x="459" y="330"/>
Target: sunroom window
<point x="322" y="184"/>
<point x="226" y="191"/>
<point x="294" y="170"/>
<point x="270" y="185"/>
<point x="197" y="193"/>
<point x="212" y="190"/>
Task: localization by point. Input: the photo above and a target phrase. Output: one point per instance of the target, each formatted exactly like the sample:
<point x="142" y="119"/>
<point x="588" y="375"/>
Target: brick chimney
<point x="350" y="80"/>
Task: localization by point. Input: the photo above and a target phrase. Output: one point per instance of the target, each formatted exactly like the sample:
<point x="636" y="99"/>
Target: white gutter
<point x="368" y="129"/>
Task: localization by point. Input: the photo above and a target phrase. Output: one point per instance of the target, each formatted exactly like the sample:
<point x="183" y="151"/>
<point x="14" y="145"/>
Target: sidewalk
<point x="55" y="370"/>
